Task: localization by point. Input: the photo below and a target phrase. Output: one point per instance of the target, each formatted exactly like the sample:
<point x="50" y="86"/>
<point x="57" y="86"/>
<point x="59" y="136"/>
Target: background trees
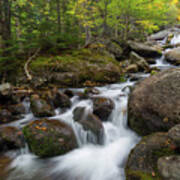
<point x="52" y="25"/>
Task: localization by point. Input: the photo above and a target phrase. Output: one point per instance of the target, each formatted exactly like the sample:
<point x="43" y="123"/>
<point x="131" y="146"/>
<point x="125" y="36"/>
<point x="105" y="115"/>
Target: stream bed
<point x="90" y="161"/>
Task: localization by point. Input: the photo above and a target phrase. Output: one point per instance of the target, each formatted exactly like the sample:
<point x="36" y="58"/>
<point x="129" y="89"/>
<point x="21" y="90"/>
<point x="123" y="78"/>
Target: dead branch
<point x="26" y="66"/>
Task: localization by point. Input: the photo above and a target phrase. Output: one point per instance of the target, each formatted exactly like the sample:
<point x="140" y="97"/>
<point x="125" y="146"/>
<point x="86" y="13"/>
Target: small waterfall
<point x="175" y="40"/>
<point x="91" y="161"/>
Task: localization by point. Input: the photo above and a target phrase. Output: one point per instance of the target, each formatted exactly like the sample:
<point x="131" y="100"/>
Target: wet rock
<point x="47" y="138"/>
<point x="151" y="61"/>
<point x="115" y="49"/>
<point x="90" y="122"/>
<point x="144" y="50"/>
<point x="10" y="138"/>
<point x="169" y="167"/>
<point x="132" y="68"/>
<point x="154" y="104"/>
<point x="160" y="35"/>
<point x="173" y="56"/>
<point x="91" y="90"/>
<point x="17" y="109"/>
<point x="5" y="93"/>
<point x="60" y="100"/>
<point x="40" y="107"/>
<point x="102" y="107"/>
<point x="5" y="89"/>
<point x="140" y="62"/>
<point x="4" y="164"/>
<point x="142" y="161"/>
<point x="174" y="134"/>
<point x="5" y="116"/>
<point x="69" y="93"/>
<point x="82" y="95"/>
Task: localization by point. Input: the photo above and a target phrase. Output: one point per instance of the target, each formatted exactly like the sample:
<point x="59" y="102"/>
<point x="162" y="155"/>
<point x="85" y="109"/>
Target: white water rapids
<point x="90" y="161"/>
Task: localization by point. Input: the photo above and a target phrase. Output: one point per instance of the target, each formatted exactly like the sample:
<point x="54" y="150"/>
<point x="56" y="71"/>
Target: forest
<point x="55" y="25"/>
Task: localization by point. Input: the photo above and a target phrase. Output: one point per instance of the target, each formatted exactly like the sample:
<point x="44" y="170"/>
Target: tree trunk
<point x="126" y="31"/>
<point x="105" y="17"/>
<point x="58" y="15"/>
<point x="5" y="22"/>
<point x="88" y="35"/>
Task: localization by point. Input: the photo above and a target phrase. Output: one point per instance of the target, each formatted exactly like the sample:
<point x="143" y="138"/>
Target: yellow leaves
<point x="85" y="10"/>
<point x="165" y="120"/>
<point x="41" y="128"/>
<point x="173" y="2"/>
<point x="147" y="25"/>
<point x="178" y="18"/>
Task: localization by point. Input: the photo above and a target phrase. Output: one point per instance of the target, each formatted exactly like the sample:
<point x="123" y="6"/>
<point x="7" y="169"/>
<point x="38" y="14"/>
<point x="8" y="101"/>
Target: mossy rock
<point x="142" y="161"/>
<point x="47" y="138"/>
<point x="139" y="175"/>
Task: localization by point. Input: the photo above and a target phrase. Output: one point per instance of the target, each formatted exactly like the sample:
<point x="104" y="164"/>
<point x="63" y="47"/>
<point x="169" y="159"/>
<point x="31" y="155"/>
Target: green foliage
<point x="63" y="24"/>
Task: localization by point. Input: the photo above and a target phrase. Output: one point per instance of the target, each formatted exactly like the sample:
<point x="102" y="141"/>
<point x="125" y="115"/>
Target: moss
<point x="163" y="152"/>
<point x="75" y="56"/>
<point x="140" y="175"/>
<point x="122" y="79"/>
<point x="153" y="72"/>
<point x="44" y="148"/>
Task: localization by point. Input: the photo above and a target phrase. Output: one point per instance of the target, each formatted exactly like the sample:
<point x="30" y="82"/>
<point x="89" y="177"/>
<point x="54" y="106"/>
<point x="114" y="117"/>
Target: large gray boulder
<point x="144" y="49"/>
<point x="174" y="134"/>
<point x="159" y="35"/>
<point x="173" y="56"/>
<point x="140" y="62"/>
<point x="154" y="104"/>
<point x="169" y="167"/>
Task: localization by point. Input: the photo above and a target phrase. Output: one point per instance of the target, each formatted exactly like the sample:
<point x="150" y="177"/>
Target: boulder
<point x="169" y="167"/>
<point x="69" y="93"/>
<point x="17" y="109"/>
<point x="6" y="93"/>
<point x="5" y="162"/>
<point x="40" y="107"/>
<point x="10" y="138"/>
<point x="90" y="122"/>
<point x="47" y="138"/>
<point x="154" y="104"/>
<point x="159" y="35"/>
<point x="142" y="161"/>
<point x="144" y="50"/>
<point x="140" y="62"/>
<point x="173" y="56"/>
<point x="174" y="134"/>
<point x="60" y="99"/>
<point x="5" y="116"/>
<point x="102" y="107"/>
<point x="115" y="49"/>
<point x="132" y="68"/>
<point x="5" y="89"/>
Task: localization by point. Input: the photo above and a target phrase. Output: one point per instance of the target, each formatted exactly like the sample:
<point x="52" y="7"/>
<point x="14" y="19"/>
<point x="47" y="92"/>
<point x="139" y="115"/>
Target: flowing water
<point x="90" y="161"/>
